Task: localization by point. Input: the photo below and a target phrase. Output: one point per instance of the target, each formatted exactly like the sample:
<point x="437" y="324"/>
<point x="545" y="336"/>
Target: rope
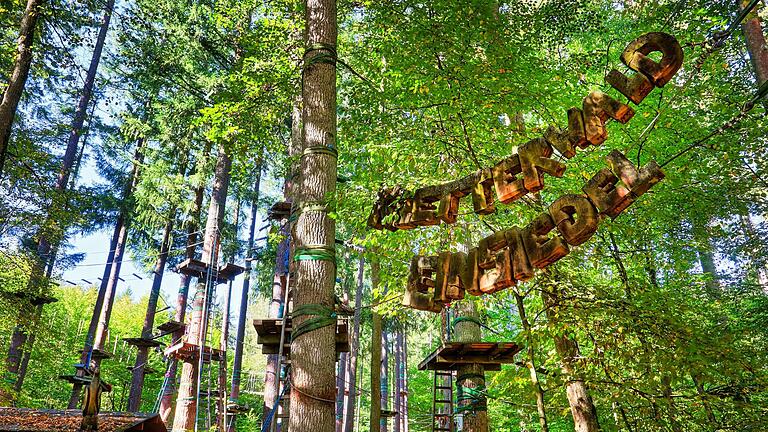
<point x="317" y="398"/>
<point x="315" y="253"/>
<point x="326" y="150"/>
<point x="474" y="395"/>
<point x="477" y="321"/>
<point x="324" y="316"/>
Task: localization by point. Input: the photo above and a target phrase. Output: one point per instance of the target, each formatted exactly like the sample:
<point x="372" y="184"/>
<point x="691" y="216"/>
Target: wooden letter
<point x="635" y="56"/>
<point x="405" y="219"/>
<point x="637" y="181"/>
<point x="420" y="282"/>
<point x="575" y="217"/>
<point x="598" y="107"/>
<point x="521" y="267"/>
<point x="542" y="249"/>
<point x="509" y="186"/>
<point x="495" y="263"/>
<point x="424" y="206"/>
<point x="449" y="284"/>
<point x="605" y="195"/>
<point x="635" y="88"/>
<point x="482" y="193"/>
<point x="535" y="161"/>
<point x="384" y="207"/>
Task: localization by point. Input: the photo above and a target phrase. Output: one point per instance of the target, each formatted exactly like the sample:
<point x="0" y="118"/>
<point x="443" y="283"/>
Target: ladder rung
<point x="443" y="373"/>
<point x="441" y="429"/>
<point x="443" y="388"/>
<point x="443" y="401"/>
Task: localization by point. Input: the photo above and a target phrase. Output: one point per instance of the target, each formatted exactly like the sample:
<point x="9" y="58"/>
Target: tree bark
<point x="354" y="349"/>
<point x="582" y="408"/>
<point x="313" y="354"/>
<point x="186" y="406"/>
<point x="531" y="363"/>
<point x="166" y="399"/>
<point x="470" y="378"/>
<point x="237" y="362"/>
<point x="18" y="77"/>
<point x="398" y="390"/>
<point x="142" y="357"/>
<point x="376" y="336"/>
<point x="756" y="44"/>
<point x="405" y="382"/>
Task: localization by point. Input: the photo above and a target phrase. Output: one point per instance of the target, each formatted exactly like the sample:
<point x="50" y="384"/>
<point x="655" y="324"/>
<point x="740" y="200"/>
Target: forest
<point x="389" y="216"/>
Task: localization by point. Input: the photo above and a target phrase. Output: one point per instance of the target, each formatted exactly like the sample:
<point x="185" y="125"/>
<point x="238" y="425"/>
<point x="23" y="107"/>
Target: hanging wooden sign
<point x="523" y="172"/>
<point x="505" y="257"/>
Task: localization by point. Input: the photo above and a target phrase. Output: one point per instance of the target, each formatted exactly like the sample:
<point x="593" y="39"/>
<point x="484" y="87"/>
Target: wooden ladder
<point x="442" y="402"/>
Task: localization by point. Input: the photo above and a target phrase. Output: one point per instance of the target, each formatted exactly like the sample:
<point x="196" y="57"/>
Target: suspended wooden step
<point x="169" y="327"/>
<point x="388" y="413"/>
<point x="279" y="210"/>
<point x="31" y="420"/>
<point x="269" y="329"/>
<point x="235" y="408"/>
<point x="142" y="342"/>
<point x="98" y="354"/>
<point x="199" y="269"/>
<point x="187" y="351"/>
<point x="452" y="355"/>
<point x="75" y="379"/>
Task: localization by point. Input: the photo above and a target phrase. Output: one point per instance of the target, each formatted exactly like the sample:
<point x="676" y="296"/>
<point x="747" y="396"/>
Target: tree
<point x="313" y="354"/>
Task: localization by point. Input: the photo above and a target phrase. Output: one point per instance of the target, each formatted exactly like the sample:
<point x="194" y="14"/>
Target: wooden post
<point x="376" y="336"/>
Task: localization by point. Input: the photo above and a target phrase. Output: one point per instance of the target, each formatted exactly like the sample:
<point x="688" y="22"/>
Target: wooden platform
<point x="169" y="327"/>
<point x="98" y="354"/>
<point x="188" y="351"/>
<point x="279" y="210"/>
<point x="268" y="331"/>
<point x="455" y="354"/>
<point x="30" y="420"/>
<point x="142" y="342"/>
<point x="199" y="269"/>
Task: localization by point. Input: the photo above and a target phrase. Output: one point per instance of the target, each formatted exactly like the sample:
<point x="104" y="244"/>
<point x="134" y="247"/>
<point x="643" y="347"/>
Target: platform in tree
<point x="188" y="351"/>
<point x="99" y="354"/>
<point x="279" y="210"/>
<point x="147" y="370"/>
<point x="199" y="269"/>
<point x="30" y="420"/>
<point x="268" y="331"/>
<point x="169" y="327"/>
<point x="452" y="355"/>
<point x="143" y="342"/>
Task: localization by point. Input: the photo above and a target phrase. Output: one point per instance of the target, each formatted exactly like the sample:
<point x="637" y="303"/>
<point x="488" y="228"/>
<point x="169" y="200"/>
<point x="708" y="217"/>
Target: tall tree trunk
<point x="707" y="257"/>
<point x="384" y="370"/>
<point x="756" y="45"/>
<point x="354" y="350"/>
<point x="102" y="310"/>
<point x="582" y="408"/>
<point x="237" y="363"/>
<point x="18" y="77"/>
<point x="376" y="336"/>
<point x="142" y="357"/>
<point x="313" y="355"/>
<point x="531" y="362"/>
<point x="186" y="401"/>
<point x="193" y="223"/>
<point x="470" y="380"/>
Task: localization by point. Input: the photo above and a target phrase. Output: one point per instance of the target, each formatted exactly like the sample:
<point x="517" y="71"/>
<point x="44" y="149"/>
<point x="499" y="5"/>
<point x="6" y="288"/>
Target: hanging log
<point x="575" y="218"/>
<point x="543" y="249"/>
